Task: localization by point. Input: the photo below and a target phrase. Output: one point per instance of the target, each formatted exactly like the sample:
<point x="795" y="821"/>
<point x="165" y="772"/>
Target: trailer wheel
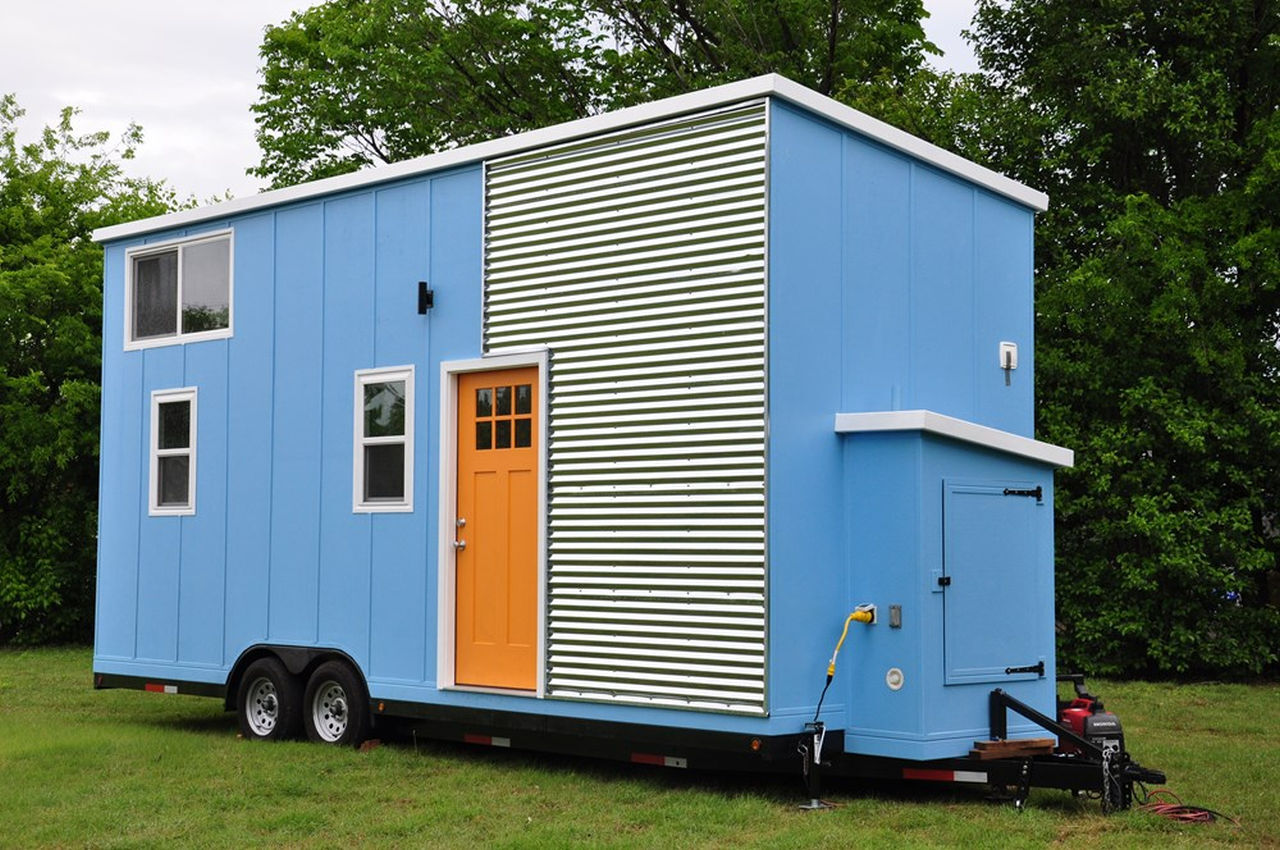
<point x="269" y="701"/>
<point x="335" y="709"/>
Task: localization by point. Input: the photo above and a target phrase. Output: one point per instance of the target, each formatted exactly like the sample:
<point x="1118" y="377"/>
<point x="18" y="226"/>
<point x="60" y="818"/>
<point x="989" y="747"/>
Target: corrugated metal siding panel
<point x="639" y="258"/>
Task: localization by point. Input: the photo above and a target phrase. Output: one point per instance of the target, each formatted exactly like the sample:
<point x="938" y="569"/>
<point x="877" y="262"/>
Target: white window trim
<point x="179" y="338"/>
<point x="159" y="397"/>
<point x="359" y="441"/>
<point x="446" y="554"/>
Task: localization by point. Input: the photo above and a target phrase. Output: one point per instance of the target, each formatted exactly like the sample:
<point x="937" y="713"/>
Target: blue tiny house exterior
<point x="604" y="426"/>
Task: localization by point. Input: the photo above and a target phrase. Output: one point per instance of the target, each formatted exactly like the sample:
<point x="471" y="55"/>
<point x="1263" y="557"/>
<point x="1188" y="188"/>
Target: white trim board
<point x="957" y="429"/>
<point x="767" y="85"/>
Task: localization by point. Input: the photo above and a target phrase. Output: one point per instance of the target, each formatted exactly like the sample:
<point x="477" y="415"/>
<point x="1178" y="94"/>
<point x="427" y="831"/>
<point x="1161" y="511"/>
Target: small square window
<point x="173" y="452"/>
<point x="382" y="478"/>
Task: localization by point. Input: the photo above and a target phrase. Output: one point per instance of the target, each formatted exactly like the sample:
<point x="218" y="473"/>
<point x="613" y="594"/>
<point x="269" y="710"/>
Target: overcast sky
<point x="188" y="73"/>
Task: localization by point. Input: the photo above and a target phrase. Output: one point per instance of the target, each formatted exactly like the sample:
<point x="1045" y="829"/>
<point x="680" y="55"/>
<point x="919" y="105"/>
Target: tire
<point x="335" y="708"/>
<point x="269" y="702"/>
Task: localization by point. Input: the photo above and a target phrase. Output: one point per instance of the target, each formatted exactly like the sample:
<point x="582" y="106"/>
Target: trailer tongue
<point x="1088" y="757"/>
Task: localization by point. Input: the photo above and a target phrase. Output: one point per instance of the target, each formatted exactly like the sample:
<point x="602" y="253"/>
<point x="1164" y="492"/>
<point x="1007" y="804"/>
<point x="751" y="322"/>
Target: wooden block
<point x="1018" y="748"/>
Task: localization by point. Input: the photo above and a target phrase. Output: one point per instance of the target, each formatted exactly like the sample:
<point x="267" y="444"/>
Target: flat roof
<point x="929" y="422"/>
<point x="768" y="85"/>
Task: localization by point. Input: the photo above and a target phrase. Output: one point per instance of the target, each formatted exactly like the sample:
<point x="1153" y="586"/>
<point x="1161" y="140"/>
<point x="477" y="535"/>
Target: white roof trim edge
<point x="959" y="429"/>
<point x="768" y="85"/>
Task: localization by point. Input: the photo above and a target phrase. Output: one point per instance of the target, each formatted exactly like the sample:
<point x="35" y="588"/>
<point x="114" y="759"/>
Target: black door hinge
<point x="1038" y="492"/>
<point x="944" y="581"/>
<point x="1034" y="668"/>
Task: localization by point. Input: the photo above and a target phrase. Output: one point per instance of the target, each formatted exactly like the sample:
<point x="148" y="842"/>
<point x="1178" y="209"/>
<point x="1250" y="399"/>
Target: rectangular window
<point x="178" y="291"/>
<point x="173" y="452"/>
<point x="383" y="462"/>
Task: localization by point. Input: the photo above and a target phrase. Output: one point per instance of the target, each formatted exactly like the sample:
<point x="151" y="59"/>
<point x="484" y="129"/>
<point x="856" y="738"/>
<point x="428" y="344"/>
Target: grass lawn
<point x="126" y="768"/>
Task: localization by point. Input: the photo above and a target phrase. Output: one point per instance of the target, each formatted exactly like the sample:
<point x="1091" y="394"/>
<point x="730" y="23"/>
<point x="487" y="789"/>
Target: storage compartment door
<point x="992" y="580"/>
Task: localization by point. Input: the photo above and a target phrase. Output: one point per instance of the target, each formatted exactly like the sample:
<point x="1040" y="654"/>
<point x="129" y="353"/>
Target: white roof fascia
<point x="767" y="85"/>
<point x="957" y="429"/>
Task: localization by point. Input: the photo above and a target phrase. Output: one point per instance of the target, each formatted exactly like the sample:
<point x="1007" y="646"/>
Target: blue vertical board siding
<point x="159" y="537"/>
<point x="942" y="295"/>
<point x="251" y="382"/>
<point x="343" y="592"/>
<point x="883" y="518"/>
<point x="296" y="452"/>
<point x="398" y="558"/>
<point x="204" y="534"/>
<point x="928" y="274"/>
<point x="877" y="274"/>
<point x="807" y="579"/>
<point x="121" y="456"/>
<point x="454" y="332"/>
<point x="1005" y="312"/>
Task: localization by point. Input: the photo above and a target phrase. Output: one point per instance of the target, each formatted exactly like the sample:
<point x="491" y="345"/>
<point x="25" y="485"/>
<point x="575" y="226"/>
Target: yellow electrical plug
<point x="864" y="614"/>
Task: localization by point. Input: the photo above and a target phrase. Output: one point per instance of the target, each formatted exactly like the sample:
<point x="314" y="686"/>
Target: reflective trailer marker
<point x="660" y="761"/>
<point x="487" y="740"/>
<point x="977" y="776"/>
<point x="160" y="689"/>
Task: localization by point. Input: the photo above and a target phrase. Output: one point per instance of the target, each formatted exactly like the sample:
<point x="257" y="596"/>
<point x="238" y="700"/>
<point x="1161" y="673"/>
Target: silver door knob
<point x="459" y="545"/>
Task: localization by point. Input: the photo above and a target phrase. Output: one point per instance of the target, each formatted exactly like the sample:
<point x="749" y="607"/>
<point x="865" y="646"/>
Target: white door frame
<point x="446" y="562"/>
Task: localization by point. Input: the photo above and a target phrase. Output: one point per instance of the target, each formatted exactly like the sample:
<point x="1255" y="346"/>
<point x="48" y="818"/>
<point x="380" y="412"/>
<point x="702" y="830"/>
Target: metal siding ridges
<point x="638" y="258"/>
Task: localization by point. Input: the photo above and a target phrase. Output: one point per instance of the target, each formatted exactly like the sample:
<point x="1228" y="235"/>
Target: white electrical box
<point x="1008" y="355"/>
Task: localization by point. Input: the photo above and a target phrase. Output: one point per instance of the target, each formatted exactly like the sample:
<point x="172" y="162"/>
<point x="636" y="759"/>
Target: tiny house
<point x="591" y="438"/>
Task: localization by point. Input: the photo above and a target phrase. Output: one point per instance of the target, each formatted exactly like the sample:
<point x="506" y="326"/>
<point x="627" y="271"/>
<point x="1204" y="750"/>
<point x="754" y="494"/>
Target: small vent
<point x="639" y="258"/>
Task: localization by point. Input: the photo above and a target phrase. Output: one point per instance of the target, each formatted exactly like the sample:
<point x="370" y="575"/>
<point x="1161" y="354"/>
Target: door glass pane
<point x="155" y="295"/>
<point x="524" y="399"/>
<point x="384" y="472"/>
<point x="503" y="398"/>
<point x="502" y="434"/>
<point x="524" y="433"/>
<point x="175" y="425"/>
<point x="484" y="402"/>
<point x="384" y="409"/>
<point x="484" y="435"/>
<point x="172" y="488"/>
<point x="206" y="286"/>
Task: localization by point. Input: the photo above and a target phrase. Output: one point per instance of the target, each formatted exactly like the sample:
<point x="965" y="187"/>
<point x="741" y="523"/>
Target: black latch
<point x="1038" y="492"/>
<point x="944" y="581"/>
<point x="1037" y="668"/>
<point x="426" y="298"/>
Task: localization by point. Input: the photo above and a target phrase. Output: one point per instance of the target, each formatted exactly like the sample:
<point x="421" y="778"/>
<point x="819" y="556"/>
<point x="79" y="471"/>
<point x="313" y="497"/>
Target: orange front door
<point x="497" y="568"/>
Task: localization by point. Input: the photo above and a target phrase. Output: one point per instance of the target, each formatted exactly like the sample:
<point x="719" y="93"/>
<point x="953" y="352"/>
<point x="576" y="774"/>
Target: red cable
<point x="1167" y="804"/>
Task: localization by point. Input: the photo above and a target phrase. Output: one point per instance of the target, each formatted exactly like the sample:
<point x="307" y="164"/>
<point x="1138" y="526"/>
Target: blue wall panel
<point x="942" y="294"/>
<point x="877" y="272"/>
<point x="806" y="575"/>
<point x="882" y="523"/>
<point x="121" y="457"/>
<point x="348" y="346"/>
<point x="204" y="534"/>
<point x="159" y="537"/>
<point x="454" y="332"/>
<point x="1004" y="311"/>
<point x="296" y="454"/>
<point x="249" y="434"/>
<point x="398" y="557"/>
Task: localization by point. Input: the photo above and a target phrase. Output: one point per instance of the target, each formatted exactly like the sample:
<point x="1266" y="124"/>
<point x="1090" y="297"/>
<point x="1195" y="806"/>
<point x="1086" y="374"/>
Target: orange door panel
<point x="497" y="570"/>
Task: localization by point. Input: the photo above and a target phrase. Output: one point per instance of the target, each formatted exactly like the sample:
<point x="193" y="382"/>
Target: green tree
<point x="353" y="82"/>
<point x="1153" y="126"/>
<point x="53" y="193"/>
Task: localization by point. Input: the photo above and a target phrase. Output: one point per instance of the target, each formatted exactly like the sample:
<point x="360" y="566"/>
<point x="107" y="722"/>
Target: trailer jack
<point x="810" y="749"/>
